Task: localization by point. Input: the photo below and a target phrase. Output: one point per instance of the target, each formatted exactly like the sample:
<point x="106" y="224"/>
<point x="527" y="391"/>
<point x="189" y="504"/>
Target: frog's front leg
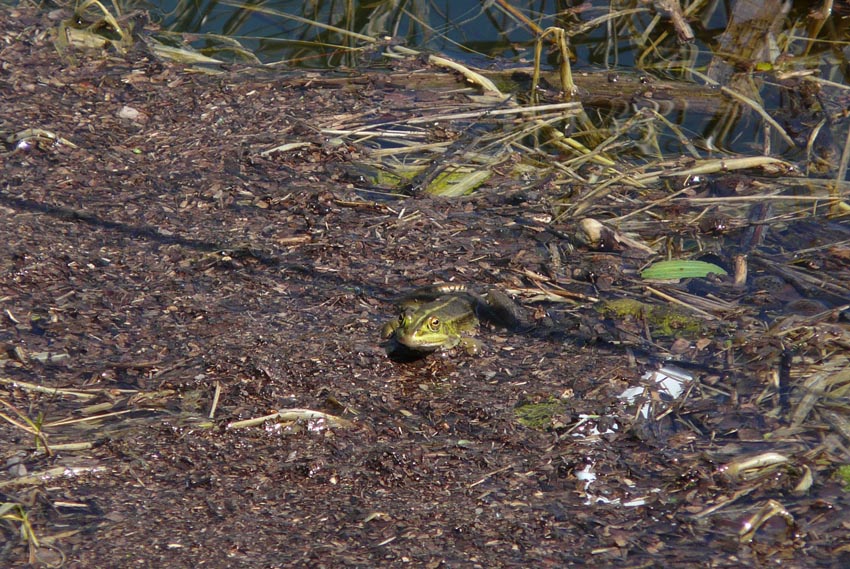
<point x="470" y="345"/>
<point x="388" y="329"/>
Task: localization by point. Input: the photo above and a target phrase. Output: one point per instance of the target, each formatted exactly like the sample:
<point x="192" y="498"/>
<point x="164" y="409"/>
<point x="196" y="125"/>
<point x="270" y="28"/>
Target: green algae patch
<point x="457" y="183"/>
<point x="842" y="473"/>
<point x="453" y="182"/>
<point x="662" y="320"/>
<point x="540" y="416"/>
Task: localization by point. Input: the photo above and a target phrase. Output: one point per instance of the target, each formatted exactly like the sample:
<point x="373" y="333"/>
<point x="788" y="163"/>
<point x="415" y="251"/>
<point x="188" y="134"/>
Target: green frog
<point x="440" y="317"/>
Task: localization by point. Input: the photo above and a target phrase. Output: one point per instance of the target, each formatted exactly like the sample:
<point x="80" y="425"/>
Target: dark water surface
<point x="609" y="30"/>
<point x="465" y="29"/>
<point x="629" y="36"/>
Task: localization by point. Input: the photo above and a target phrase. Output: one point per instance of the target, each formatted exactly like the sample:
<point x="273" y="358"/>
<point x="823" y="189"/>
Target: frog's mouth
<point x="414" y="341"/>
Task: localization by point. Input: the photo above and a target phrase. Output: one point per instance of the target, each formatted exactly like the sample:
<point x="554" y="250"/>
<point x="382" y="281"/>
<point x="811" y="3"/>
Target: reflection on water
<point x="765" y="43"/>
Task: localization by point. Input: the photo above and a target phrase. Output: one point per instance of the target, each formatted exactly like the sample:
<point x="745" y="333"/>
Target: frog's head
<point x="424" y="330"/>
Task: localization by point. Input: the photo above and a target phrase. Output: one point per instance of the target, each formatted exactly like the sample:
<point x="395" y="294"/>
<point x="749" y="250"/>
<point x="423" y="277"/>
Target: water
<point x="627" y="36"/>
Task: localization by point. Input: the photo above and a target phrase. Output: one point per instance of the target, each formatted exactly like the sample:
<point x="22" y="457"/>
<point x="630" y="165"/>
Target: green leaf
<point x="668" y="270"/>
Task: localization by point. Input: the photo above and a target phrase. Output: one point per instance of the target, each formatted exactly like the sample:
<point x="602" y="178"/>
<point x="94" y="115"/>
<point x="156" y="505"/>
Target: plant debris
<point x="224" y="257"/>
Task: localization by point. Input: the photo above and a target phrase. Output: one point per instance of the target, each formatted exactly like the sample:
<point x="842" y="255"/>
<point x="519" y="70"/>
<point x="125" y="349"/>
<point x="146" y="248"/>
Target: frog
<point x="442" y="317"/>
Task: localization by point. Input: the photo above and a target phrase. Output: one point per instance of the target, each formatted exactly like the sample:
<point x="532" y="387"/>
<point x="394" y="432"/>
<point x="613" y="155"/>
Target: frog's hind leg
<point x="501" y="310"/>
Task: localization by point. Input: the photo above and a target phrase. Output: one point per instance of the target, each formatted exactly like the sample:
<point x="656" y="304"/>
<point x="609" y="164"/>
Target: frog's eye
<point x="401" y="318"/>
<point x="434" y="324"/>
